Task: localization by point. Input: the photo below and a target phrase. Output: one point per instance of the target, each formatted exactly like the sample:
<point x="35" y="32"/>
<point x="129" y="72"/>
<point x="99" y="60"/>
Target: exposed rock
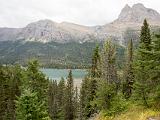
<point x="129" y="18"/>
<point x="137" y="14"/>
<point x="47" y="30"/>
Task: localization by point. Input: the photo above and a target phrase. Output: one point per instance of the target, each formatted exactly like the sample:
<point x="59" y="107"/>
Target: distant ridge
<point x="47" y="30"/>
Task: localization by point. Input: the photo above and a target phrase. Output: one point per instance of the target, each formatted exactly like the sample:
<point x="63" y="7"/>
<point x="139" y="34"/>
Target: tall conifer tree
<point x="128" y="74"/>
<point x="155" y="76"/>
<point x="108" y="62"/>
<point x="69" y="98"/>
<point x="95" y="72"/>
<point x="143" y="64"/>
<point x="28" y="107"/>
<point x="53" y="100"/>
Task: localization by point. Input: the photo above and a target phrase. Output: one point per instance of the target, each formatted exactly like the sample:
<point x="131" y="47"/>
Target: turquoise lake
<point x="56" y="74"/>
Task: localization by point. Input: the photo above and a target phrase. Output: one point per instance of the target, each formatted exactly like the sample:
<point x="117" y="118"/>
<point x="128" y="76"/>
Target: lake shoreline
<point x="57" y="74"/>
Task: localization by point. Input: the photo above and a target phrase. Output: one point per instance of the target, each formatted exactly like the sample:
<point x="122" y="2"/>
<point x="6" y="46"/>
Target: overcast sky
<point x="18" y="13"/>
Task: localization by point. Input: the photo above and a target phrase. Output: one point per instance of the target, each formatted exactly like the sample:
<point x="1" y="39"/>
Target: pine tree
<point x="61" y="98"/>
<point x="56" y="99"/>
<point x="128" y="76"/>
<point x="36" y="80"/>
<point x="76" y="103"/>
<point x="53" y="101"/>
<point x="61" y="92"/>
<point x="143" y="65"/>
<point x="105" y="94"/>
<point x="87" y="108"/>
<point x="28" y="107"/>
<point x="156" y="57"/>
<point x="92" y="85"/>
<point x="108" y="83"/>
<point x="145" y="37"/>
<point x="10" y="82"/>
<point x="69" y="100"/>
<point x="95" y="72"/>
<point x="84" y="99"/>
<point x="155" y="76"/>
<point x="108" y="63"/>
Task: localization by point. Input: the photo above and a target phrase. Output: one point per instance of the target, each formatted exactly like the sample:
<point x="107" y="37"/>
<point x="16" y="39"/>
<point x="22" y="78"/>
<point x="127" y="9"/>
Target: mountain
<point x="137" y="13"/>
<point x="68" y="44"/>
<point x="47" y="30"/>
<point x="130" y="19"/>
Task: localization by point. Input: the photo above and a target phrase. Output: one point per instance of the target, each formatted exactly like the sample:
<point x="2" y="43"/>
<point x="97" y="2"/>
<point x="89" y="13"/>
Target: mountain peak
<point x="44" y="22"/>
<point x="138" y="5"/>
<point x="127" y="7"/>
<point x="137" y="13"/>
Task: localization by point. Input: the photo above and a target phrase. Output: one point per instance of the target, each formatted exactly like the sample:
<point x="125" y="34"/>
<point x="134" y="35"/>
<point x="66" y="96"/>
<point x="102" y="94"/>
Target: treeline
<point x="63" y="99"/>
<point x="26" y="94"/>
<point x="71" y="55"/>
<point x="23" y="93"/>
<point x="110" y="91"/>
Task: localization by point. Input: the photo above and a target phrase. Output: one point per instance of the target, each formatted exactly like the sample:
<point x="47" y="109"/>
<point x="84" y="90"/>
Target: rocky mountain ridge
<point x="47" y="30"/>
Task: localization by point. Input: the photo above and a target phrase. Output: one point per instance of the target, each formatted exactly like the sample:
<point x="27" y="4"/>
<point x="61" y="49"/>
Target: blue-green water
<point x="56" y="74"/>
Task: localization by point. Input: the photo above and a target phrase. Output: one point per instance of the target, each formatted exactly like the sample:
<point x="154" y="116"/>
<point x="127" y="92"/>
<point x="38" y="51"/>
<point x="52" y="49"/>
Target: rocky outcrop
<point x="47" y="30"/>
<point x="130" y="18"/>
<point x="137" y="13"/>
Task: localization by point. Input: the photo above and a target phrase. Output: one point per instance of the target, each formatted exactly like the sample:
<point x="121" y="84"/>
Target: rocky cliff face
<point x="137" y="13"/>
<point x="130" y="18"/>
<point x="47" y="30"/>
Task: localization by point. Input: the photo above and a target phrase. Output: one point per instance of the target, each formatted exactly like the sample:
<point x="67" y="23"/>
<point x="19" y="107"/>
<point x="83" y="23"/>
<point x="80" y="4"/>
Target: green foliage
<point x="128" y="75"/>
<point x="61" y="97"/>
<point x="76" y="103"/>
<point x="155" y="76"/>
<point x="95" y="72"/>
<point x="10" y="82"/>
<point x="118" y="105"/>
<point x="32" y="104"/>
<point x="28" y="107"/>
<point x="84" y="99"/>
<point x="108" y="100"/>
<point x="53" y="100"/>
<point x="105" y="94"/>
<point x="52" y="54"/>
<point x="100" y="92"/>
<point x="143" y="65"/>
<point x="69" y="98"/>
<point x="108" y="62"/>
<point x="56" y="99"/>
<point x="89" y="87"/>
<point x="36" y="80"/>
<point x="26" y="93"/>
<point x="145" y="37"/>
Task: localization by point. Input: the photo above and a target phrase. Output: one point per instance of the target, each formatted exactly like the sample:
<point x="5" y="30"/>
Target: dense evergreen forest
<point x="51" y="54"/>
<point x="26" y="93"/>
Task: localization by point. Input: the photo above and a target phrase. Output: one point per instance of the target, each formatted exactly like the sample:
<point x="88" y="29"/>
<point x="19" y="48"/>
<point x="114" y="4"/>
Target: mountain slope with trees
<point x="132" y="92"/>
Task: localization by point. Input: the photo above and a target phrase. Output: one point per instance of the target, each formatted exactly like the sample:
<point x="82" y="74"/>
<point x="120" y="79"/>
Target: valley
<point x="65" y="71"/>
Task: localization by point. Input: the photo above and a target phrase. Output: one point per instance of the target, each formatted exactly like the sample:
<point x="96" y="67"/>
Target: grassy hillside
<point x="133" y="113"/>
